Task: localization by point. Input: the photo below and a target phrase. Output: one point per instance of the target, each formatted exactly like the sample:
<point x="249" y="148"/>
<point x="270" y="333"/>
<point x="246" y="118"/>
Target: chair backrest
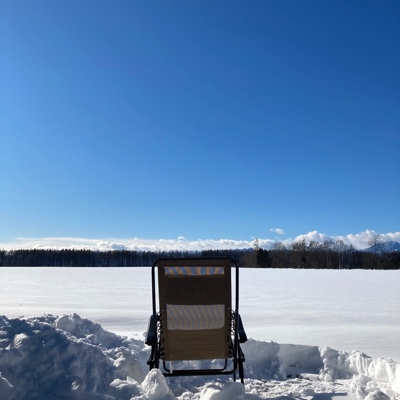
<point x="195" y="308"/>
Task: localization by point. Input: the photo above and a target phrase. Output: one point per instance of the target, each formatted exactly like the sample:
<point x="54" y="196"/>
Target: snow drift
<point x="67" y="357"/>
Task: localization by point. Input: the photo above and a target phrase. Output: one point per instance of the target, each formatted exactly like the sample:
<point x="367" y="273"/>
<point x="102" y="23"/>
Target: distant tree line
<point x="312" y="255"/>
<point x="326" y="255"/>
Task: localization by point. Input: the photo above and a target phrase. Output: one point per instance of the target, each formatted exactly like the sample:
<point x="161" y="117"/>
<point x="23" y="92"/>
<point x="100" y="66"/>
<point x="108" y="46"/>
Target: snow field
<point x="55" y="354"/>
<point x="342" y="309"/>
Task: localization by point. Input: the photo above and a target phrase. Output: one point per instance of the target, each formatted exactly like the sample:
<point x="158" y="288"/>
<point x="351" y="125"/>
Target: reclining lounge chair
<point x="194" y="321"/>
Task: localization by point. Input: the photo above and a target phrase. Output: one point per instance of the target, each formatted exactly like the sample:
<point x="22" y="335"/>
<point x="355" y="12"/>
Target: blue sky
<point x="201" y="119"/>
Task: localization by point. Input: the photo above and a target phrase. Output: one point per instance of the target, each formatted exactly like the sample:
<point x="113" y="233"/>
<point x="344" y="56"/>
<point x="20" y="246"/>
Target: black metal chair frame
<point x="237" y="332"/>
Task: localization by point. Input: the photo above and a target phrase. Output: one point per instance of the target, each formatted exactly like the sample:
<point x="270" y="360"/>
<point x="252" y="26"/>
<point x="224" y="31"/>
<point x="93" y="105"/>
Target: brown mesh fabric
<point x="197" y="294"/>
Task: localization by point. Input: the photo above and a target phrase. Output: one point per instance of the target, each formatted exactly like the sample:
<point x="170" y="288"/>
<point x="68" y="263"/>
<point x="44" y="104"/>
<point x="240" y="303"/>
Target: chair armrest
<point x="240" y="331"/>
<point x="151" y="337"/>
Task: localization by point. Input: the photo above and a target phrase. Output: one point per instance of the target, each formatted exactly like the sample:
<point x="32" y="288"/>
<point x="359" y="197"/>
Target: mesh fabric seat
<point x="194" y="319"/>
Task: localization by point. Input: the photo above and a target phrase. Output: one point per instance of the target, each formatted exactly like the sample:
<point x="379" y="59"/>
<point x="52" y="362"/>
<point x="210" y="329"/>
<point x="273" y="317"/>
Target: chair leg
<point x="241" y="373"/>
<point x="241" y="360"/>
<point x="153" y="361"/>
<point x="150" y="362"/>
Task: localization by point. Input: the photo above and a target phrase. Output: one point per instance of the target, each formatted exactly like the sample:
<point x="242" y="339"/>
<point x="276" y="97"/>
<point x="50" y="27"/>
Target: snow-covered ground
<point x="295" y="317"/>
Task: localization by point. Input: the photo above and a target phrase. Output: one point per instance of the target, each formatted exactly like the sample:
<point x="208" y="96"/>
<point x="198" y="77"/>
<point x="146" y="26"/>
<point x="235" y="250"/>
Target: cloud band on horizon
<point x="358" y="241"/>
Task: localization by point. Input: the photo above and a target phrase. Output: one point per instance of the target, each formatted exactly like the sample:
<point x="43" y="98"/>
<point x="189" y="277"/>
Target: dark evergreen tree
<point x="263" y="259"/>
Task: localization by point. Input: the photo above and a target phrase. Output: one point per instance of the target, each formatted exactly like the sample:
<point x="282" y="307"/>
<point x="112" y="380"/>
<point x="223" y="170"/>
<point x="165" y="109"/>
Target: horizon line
<point x="359" y="241"/>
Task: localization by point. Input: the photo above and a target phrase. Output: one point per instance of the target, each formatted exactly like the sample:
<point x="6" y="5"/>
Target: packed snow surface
<point x="68" y="357"/>
<point x="53" y="353"/>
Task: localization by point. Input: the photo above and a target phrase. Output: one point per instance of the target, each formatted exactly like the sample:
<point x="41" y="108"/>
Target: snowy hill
<point x="385" y="247"/>
<point x="69" y="357"/>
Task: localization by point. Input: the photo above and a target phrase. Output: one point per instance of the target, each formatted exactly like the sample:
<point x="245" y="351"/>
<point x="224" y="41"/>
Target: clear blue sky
<point x="202" y="119"/>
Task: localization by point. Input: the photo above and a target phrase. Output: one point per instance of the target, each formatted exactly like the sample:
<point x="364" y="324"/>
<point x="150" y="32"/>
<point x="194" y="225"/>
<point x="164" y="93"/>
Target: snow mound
<point x="68" y="357"/>
<point x="38" y="358"/>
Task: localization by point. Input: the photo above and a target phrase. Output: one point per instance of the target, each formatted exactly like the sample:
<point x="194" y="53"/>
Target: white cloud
<point x="359" y="241"/>
<point x="314" y="236"/>
<point x="279" y="231"/>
